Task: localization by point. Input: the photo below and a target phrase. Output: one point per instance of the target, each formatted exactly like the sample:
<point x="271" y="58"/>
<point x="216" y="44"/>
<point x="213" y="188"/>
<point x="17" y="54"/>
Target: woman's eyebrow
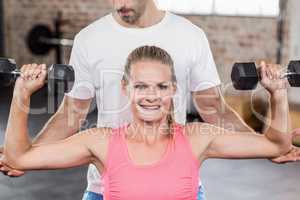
<point x="165" y="82"/>
<point x="139" y="82"/>
<point x="159" y="83"/>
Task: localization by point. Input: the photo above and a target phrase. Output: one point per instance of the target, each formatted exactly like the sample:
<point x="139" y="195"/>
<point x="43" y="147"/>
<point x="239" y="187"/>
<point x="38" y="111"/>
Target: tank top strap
<point x="181" y="143"/>
<point x="178" y="133"/>
<point x="116" y="151"/>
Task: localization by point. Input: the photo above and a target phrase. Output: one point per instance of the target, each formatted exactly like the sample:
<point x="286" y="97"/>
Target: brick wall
<point x="294" y="23"/>
<point x="22" y="15"/>
<point x="234" y="39"/>
<point x="293" y="41"/>
<point x="231" y="38"/>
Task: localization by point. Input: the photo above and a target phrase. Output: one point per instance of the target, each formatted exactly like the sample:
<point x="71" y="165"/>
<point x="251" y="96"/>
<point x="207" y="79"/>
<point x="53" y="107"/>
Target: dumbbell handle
<point x="17" y="72"/>
<point x="284" y="75"/>
<point x="56" y="74"/>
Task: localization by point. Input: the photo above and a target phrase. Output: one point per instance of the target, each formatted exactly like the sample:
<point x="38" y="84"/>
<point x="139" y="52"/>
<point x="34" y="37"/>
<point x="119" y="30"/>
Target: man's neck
<point x="150" y="17"/>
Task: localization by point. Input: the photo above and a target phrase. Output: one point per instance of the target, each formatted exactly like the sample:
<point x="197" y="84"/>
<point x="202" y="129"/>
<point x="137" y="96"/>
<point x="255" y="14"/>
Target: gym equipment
<point x="57" y="73"/>
<point x="245" y="76"/>
<point x="41" y="40"/>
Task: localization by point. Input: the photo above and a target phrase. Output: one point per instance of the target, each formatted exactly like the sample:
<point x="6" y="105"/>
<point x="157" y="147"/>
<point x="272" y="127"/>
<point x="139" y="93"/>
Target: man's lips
<point x="125" y="11"/>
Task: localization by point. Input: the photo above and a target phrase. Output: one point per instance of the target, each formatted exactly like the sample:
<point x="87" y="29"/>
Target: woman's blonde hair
<point x="152" y="53"/>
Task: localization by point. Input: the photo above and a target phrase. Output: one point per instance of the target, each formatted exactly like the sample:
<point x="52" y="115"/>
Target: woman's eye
<point x="140" y="87"/>
<point x="163" y="87"/>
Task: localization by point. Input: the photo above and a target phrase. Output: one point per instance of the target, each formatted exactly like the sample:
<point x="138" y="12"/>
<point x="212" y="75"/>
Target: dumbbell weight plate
<point x="244" y="76"/>
<point x="294" y="78"/>
<point x="62" y="75"/>
<point x="6" y="66"/>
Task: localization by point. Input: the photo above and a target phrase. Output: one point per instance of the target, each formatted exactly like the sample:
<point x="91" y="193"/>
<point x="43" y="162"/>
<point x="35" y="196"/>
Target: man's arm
<point x="68" y="119"/>
<point x="73" y="110"/>
<point x="211" y="106"/>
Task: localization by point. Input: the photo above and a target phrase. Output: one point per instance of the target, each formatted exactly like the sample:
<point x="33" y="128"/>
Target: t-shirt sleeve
<point x="83" y="87"/>
<point x="203" y="73"/>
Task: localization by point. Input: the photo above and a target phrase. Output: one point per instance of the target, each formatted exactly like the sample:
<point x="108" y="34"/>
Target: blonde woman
<point x="153" y="157"/>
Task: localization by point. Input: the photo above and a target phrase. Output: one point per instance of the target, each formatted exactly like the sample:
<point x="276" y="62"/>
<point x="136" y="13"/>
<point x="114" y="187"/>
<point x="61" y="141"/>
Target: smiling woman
<point x="221" y="7"/>
<point x="138" y="68"/>
<point x="145" y="159"/>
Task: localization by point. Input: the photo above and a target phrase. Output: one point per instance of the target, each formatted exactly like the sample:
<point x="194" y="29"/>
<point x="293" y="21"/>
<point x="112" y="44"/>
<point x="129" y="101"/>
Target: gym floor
<point x="223" y="179"/>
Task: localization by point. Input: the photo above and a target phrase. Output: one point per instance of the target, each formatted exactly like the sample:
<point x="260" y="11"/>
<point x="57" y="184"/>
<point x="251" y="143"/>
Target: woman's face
<point x="150" y="90"/>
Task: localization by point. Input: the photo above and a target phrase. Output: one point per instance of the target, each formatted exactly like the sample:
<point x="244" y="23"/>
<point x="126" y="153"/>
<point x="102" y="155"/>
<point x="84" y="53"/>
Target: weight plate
<point x="34" y="42"/>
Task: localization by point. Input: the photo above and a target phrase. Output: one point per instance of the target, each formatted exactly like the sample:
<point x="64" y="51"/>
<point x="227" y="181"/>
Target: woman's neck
<point x="148" y="132"/>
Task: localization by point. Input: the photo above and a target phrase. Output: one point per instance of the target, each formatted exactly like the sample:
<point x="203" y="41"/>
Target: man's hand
<point x="6" y="170"/>
<point x="293" y="155"/>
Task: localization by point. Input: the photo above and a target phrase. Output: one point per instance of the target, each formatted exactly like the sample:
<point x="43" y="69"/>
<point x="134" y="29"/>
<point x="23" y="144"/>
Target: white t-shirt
<point x="99" y="55"/>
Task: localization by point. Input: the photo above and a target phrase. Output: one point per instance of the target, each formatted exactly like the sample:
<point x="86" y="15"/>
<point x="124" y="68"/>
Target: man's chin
<point x="128" y="19"/>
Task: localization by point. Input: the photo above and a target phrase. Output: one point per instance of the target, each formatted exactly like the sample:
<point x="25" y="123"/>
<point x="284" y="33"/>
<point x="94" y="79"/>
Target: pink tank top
<point x="174" y="177"/>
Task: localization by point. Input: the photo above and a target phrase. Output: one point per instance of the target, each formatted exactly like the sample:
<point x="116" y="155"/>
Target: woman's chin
<point x="150" y="118"/>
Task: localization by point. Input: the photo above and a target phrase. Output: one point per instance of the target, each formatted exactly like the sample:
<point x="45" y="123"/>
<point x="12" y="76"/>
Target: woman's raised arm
<point x="19" y="153"/>
<point x="276" y="141"/>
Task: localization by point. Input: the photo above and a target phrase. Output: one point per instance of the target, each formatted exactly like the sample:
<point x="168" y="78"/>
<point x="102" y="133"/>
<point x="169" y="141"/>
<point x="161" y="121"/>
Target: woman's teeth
<point x="150" y="107"/>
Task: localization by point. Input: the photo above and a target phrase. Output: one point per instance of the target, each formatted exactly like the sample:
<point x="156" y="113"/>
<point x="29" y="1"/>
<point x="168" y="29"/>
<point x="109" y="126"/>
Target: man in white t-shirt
<point x="98" y="57"/>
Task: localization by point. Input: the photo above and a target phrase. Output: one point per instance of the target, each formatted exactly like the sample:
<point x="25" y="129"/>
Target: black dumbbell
<point x="245" y="76"/>
<point x="57" y="73"/>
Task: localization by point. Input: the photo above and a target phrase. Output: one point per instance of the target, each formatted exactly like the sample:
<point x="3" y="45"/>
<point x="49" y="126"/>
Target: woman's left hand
<point x="32" y="78"/>
<point x="271" y="79"/>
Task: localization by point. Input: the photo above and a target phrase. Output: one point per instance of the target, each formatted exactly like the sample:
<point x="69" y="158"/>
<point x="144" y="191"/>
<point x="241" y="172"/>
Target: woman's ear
<point x="124" y="88"/>
<point x="174" y="88"/>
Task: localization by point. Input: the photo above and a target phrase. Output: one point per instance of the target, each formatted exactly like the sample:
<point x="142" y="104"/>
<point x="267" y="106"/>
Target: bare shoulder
<point x="199" y="137"/>
<point x="201" y="133"/>
<point x="197" y="128"/>
<point x="98" y="134"/>
<point x="98" y="143"/>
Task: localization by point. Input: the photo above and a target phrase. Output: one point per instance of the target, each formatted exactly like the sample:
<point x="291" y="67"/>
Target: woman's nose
<point x="152" y="94"/>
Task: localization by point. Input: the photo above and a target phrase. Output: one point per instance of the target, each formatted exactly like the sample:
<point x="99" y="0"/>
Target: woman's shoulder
<point x="199" y="130"/>
<point x="194" y="127"/>
<point x="98" y="133"/>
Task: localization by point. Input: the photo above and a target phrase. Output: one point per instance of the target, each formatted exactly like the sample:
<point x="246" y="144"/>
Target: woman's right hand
<point x="32" y="78"/>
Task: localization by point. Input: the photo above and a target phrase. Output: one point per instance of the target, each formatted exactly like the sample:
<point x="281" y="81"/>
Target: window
<point x="222" y="7"/>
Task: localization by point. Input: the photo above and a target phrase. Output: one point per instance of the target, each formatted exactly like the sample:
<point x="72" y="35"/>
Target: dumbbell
<point x="57" y="73"/>
<point x="245" y="76"/>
